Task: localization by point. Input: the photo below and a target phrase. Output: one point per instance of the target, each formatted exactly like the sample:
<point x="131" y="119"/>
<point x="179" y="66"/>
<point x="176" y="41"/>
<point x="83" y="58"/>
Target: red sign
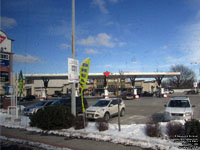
<point x="106" y="73"/>
<point x="2" y="38"/>
<point x="2" y="68"/>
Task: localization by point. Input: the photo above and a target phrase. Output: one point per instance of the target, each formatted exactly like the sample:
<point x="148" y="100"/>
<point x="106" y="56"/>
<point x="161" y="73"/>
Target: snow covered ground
<point x="133" y="134"/>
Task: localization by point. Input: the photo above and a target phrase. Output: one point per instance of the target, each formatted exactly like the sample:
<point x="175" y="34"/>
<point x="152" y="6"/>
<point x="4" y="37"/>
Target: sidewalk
<point x="62" y="142"/>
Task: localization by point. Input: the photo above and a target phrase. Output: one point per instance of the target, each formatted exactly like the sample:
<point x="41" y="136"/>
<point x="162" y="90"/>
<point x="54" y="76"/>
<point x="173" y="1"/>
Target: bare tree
<point x="185" y="80"/>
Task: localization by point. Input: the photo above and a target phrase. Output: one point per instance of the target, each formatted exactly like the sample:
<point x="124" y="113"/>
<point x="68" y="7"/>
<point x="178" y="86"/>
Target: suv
<point x="178" y="108"/>
<point x="104" y="108"/>
<point x="67" y="102"/>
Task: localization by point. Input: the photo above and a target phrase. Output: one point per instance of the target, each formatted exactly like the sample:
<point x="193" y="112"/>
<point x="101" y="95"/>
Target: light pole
<point x="73" y="97"/>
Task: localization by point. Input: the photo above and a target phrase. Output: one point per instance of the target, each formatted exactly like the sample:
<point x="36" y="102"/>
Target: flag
<point x="20" y="81"/>
<point x="84" y="69"/>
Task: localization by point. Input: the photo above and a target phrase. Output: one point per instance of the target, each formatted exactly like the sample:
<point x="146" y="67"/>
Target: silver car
<point x="178" y="108"/>
<point x="34" y="108"/>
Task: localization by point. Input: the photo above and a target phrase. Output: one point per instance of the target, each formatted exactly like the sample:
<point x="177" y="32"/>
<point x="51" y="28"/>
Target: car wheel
<point x="107" y="116"/>
<point x="122" y="113"/>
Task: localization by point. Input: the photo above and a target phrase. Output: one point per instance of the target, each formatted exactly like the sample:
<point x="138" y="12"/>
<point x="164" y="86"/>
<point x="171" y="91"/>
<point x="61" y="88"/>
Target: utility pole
<point x="73" y="97"/>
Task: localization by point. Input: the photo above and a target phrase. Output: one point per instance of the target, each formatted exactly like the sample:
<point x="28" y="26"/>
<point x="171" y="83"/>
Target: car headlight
<point x="188" y="114"/>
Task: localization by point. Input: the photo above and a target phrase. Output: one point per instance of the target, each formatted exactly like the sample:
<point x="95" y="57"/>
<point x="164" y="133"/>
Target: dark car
<point x="147" y="94"/>
<point x="28" y="98"/>
<point x="34" y="108"/>
<point x="127" y="96"/>
<point x="67" y="102"/>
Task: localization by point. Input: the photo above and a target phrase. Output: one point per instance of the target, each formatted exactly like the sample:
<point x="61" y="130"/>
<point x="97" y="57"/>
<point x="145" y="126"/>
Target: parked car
<point x="127" y="96"/>
<point x="147" y="94"/>
<point x="67" y="102"/>
<point x="178" y="108"/>
<point x="34" y="108"/>
<point x="105" y="108"/>
<point x="28" y="98"/>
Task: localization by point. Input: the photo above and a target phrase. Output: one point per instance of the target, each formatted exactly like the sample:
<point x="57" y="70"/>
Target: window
<point x="114" y="102"/>
<point x="29" y="81"/>
<point x="4" y="56"/>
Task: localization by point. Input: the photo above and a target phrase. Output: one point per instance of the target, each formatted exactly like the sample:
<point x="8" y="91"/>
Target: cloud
<point x="8" y="22"/>
<point x="25" y="59"/>
<point x="91" y="51"/>
<point x="101" y="5"/>
<point x="102" y="39"/>
<point x="65" y="46"/>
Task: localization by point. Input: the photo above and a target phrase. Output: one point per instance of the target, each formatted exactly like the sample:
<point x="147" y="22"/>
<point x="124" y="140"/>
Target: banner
<point x="84" y="69"/>
<point x="20" y="83"/>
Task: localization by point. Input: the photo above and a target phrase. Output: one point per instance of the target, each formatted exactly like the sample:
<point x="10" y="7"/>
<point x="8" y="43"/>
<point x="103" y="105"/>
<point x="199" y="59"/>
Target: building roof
<point x="112" y="75"/>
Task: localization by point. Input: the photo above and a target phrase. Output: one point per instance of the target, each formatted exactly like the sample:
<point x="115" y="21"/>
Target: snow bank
<point x="133" y="134"/>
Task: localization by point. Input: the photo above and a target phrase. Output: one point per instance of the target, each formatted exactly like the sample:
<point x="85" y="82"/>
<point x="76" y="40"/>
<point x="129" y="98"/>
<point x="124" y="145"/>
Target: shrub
<point x="102" y="124"/>
<point x="174" y="129"/>
<point x="153" y="129"/>
<point x="80" y="122"/>
<point x="51" y="118"/>
<point x="192" y="128"/>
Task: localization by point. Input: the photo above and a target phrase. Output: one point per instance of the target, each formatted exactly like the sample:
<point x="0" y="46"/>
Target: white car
<point x="178" y="108"/>
<point x="105" y="108"/>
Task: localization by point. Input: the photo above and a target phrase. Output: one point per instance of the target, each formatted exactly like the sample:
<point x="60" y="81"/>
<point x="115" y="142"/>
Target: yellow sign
<point x="84" y="69"/>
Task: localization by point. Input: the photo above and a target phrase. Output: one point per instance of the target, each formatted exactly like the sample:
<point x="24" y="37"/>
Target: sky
<point x="117" y="35"/>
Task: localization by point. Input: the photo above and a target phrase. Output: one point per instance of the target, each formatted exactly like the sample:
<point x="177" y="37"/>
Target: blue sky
<point x="127" y="35"/>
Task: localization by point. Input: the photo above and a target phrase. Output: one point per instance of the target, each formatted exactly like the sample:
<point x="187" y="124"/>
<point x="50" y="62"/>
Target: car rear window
<point x="179" y="103"/>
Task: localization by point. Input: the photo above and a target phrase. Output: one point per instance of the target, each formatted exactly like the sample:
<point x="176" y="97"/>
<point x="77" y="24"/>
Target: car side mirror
<point x="165" y="105"/>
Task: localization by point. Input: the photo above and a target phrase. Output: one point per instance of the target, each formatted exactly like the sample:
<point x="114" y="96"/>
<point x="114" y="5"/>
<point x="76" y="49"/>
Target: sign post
<point x="106" y="74"/>
<point x="73" y="77"/>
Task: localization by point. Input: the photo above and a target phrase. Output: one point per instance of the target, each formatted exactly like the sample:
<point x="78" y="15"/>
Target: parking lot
<point x="142" y="110"/>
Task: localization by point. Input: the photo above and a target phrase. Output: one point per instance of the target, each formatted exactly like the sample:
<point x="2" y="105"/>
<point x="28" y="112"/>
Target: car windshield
<point x="101" y="103"/>
<point x="40" y="103"/>
<point x="179" y="103"/>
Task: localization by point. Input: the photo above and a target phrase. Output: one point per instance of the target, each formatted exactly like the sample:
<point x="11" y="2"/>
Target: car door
<point x="113" y="107"/>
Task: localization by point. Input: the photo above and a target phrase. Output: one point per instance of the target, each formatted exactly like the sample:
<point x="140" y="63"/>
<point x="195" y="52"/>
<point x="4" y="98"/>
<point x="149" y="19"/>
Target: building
<point x="6" y="63"/>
